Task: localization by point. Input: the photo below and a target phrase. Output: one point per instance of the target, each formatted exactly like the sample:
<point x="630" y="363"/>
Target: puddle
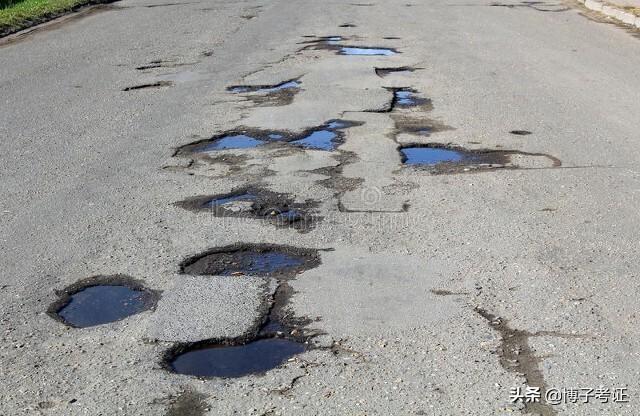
<point x="291" y="84"/>
<point x="406" y="97"/>
<point x="333" y="43"/>
<point x="252" y="260"/>
<point x="325" y="137"/>
<point x="353" y="50"/>
<point x="432" y="156"/>
<point x="450" y="159"/>
<point x="279" y="209"/>
<point x="383" y="72"/>
<point x="158" y="84"/>
<point x="101" y="300"/>
<point x="236" y="360"/>
<point x="322" y="139"/>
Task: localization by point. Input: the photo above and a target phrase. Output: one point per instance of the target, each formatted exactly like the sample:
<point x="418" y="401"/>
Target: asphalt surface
<point x="436" y="294"/>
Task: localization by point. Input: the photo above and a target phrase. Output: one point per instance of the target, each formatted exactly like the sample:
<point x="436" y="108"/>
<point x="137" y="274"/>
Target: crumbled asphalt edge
<point x="188" y="403"/>
<point x="488" y="159"/>
<point x="336" y="181"/>
<point x="310" y="256"/>
<point x="81" y="10"/>
<point x="151" y="297"/>
<point x="273" y="310"/>
<point x="158" y="84"/>
<point x="287" y="136"/>
<point x="517" y="357"/>
<point x="266" y="206"/>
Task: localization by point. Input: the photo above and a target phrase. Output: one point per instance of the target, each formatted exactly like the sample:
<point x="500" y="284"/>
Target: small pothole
<point x="152" y="85"/>
<point x="100" y="300"/>
<point x="252" y="260"/>
<point x="276" y="208"/>
<point x="332" y="43"/>
<point x="383" y="72"/>
<point x="407" y="97"/>
<point x="286" y="85"/>
<point x="520" y="132"/>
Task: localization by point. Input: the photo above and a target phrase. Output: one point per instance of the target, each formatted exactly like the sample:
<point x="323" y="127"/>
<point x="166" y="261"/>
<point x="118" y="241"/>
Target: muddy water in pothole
<point x="252" y="260"/>
<point x="240" y="200"/>
<point x="101" y="304"/>
<point x="236" y="360"/>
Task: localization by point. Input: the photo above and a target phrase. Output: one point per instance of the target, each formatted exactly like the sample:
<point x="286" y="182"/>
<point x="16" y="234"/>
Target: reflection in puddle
<point x="101" y="304"/>
<point x="352" y="50"/>
<point x="325" y="137"/>
<point x="405" y="98"/>
<point x="226" y="201"/>
<point x="239" y="141"/>
<point x="236" y="360"/>
<point x="430" y="156"/>
<point x="252" y="260"/>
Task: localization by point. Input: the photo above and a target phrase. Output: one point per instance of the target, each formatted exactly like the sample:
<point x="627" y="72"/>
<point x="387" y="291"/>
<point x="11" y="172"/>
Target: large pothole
<point x="325" y="137"/>
<point x="332" y="43"/>
<point x="439" y="158"/>
<point x="100" y="300"/>
<point x="269" y="260"/>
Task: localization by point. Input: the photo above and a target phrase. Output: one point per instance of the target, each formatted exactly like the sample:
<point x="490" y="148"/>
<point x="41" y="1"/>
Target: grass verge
<point x="16" y="15"/>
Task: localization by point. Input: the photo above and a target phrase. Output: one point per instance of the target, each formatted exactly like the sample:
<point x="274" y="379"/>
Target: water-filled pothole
<point x="407" y="97"/>
<point x="279" y="209"/>
<point x="325" y="137"/>
<point x="332" y="43"/>
<point x="100" y="300"/>
<point x="236" y="360"/>
<point x="252" y="260"/>
<point x="269" y="95"/>
<point x="441" y="158"/>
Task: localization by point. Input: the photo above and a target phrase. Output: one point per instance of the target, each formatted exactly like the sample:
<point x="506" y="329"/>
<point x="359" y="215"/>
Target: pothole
<point x="100" y="300"/>
<point x="520" y="132"/>
<point x="332" y="43"/>
<point x="159" y="84"/>
<point x="407" y="97"/>
<point x="286" y="85"/>
<point x="278" y="209"/>
<point x="279" y="337"/>
<point x="252" y="260"/>
<point x="325" y="137"/>
<point x="277" y="94"/>
<point x="383" y="72"/>
<point x="441" y="158"/>
<point x="366" y="51"/>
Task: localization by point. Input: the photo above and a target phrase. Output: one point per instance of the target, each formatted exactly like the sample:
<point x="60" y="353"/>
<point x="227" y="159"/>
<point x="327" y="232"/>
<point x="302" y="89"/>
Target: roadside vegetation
<point x="20" y="14"/>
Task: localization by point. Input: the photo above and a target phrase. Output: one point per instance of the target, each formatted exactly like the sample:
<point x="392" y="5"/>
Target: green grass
<point x="19" y="14"/>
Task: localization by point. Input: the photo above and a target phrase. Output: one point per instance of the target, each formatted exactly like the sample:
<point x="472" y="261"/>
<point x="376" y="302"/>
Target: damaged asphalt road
<point x="471" y="228"/>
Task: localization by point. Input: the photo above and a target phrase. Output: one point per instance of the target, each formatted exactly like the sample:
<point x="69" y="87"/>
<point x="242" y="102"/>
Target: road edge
<point x="612" y="11"/>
